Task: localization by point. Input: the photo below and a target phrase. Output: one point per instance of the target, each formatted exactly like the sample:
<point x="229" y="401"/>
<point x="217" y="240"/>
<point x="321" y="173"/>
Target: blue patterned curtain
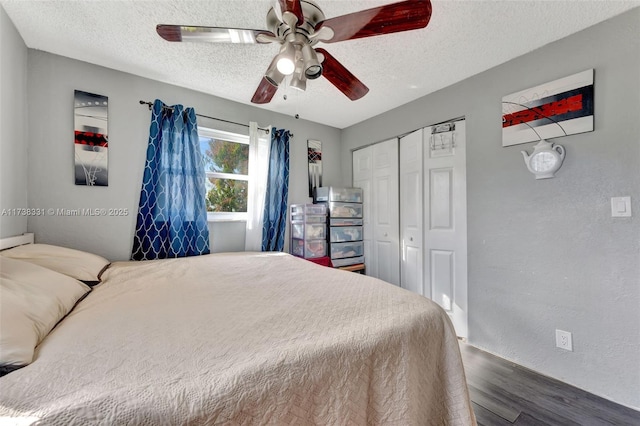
<point x="172" y="217"/>
<point x="275" y="204"/>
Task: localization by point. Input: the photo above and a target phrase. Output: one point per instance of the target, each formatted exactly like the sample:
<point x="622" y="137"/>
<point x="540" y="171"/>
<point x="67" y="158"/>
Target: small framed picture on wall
<point x="314" y="158"/>
<point x="91" y="141"/>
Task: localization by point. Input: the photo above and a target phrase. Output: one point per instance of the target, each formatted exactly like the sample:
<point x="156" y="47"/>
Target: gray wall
<point x="547" y="254"/>
<point x="13" y="127"/>
<point x="51" y="83"/>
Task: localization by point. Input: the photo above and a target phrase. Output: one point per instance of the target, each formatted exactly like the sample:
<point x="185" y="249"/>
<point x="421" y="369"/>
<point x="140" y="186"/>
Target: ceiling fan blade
<point x="294" y="7"/>
<point x="212" y="34"/>
<point x="341" y="77"/>
<point x="264" y="93"/>
<point x="391" y="18"/>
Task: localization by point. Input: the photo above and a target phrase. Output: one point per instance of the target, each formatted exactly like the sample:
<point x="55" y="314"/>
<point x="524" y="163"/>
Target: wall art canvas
<point x="559" y="108"/>
<point x="314" y="157"/>
<point x="91" y="143"/>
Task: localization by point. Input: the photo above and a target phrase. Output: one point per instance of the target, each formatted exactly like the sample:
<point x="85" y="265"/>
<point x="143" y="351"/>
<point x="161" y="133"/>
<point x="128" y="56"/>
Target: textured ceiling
<point x="462" y="39"/>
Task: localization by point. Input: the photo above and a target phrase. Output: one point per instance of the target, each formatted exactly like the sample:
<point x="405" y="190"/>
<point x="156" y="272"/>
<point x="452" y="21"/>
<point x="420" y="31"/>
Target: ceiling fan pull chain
<point x="286" y="89"/>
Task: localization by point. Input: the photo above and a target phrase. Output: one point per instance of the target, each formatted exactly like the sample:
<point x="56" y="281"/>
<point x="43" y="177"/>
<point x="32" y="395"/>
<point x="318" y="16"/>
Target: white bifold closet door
<point x="411" y="215"/>
<point x="433" y="218"/>
<point x="375" y="170"/>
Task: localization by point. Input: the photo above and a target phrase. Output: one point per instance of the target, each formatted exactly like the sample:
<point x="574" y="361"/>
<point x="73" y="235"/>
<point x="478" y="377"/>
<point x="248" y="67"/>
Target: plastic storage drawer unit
<point x="347" y="261"/>
<point x="341" y="234"/>
<point x="347" y="210"/>
<point x="308" y="236"/>
<point x="342" y="221"/>
<point x="308" y="218"/>
<point x="308" y="209"/>
<point x="341" y="250"/>
<point x="345" y="233"/>
<point x="308" y="231"/>
<point x="347" y="195"/>
<point x="308" y="249"/>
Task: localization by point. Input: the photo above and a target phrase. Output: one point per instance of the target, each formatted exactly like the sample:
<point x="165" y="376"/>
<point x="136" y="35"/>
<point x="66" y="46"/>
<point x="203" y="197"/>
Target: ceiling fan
<point x="298" y="25"/>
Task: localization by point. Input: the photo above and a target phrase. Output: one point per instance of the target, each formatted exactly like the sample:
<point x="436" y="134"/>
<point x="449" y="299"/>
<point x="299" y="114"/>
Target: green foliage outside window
<point x="227" y="195"/>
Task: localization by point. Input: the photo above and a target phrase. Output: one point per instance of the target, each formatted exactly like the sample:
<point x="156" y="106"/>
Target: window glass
<point x="226" y="195"/>
<point x="224" y="156"/>
<point x="226" y="163"/>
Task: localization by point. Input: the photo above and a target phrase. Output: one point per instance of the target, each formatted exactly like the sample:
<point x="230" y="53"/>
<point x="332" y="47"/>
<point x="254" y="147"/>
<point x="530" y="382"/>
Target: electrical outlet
<point x="564" y="340"/>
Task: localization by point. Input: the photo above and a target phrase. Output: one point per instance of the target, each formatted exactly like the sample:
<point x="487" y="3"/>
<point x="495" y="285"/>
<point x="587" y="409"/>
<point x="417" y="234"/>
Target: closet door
<point x="362" y="178"/>
<point x="385" y="214"/>
<point x="411" y="212"/>
<point x="375" y="170"/>
<point x="445" y="219"/>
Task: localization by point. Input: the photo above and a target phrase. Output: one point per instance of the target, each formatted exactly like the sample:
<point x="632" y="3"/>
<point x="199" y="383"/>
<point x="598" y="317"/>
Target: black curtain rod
<point x="150" y="104"/>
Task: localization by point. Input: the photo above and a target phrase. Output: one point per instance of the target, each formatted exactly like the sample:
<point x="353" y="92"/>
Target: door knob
<point x="411" y="239"/>
<point x="385" y="234"/>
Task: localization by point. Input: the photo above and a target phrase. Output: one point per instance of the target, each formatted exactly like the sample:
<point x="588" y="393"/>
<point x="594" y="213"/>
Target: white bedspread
<point x="243" y="339"/>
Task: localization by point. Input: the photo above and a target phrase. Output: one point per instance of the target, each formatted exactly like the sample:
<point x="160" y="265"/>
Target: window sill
<point x="225" y="220"/>
<point x="226" y="217"/>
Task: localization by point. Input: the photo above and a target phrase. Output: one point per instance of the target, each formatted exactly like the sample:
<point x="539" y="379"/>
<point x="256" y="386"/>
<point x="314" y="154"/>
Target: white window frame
<point x="228" y="137"/>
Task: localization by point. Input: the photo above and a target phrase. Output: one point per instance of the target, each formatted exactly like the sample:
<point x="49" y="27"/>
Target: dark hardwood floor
<point x="504" y="393"/>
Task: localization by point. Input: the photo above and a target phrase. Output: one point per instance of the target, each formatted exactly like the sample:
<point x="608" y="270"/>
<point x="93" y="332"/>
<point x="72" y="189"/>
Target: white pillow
<point x="78" y="264"/>
<point x="34" y="299"/>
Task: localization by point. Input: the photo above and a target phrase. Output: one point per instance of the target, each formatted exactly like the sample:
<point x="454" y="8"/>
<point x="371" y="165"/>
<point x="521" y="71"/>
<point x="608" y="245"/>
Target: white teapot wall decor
<point x="545" y="159"/>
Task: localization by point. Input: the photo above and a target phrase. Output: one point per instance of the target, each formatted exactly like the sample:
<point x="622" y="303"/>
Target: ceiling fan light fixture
<point x="273" y="75"/>
<point x="313" y="72"/>
<point x="286" y="66"/>
<point x="312" y="66"/>
<point x="299" y="81"/>
<point x="285" y="59"/>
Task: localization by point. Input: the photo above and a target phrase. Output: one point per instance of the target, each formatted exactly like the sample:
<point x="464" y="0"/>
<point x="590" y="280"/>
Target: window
<point x="226" y="159"/>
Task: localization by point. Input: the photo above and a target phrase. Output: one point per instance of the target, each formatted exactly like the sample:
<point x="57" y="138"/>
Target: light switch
<point x="620" y="206"/>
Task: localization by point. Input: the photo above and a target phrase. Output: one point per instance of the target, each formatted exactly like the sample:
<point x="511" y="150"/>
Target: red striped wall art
<point x="91" y="142"/>
<point x="559" y="108"/>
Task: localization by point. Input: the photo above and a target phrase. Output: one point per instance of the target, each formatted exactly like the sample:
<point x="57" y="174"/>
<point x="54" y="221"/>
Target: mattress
<point x="243" y="339"/>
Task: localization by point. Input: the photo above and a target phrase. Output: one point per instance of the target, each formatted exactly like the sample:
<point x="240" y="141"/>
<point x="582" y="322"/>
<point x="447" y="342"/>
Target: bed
<point x="231" y="339"/>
